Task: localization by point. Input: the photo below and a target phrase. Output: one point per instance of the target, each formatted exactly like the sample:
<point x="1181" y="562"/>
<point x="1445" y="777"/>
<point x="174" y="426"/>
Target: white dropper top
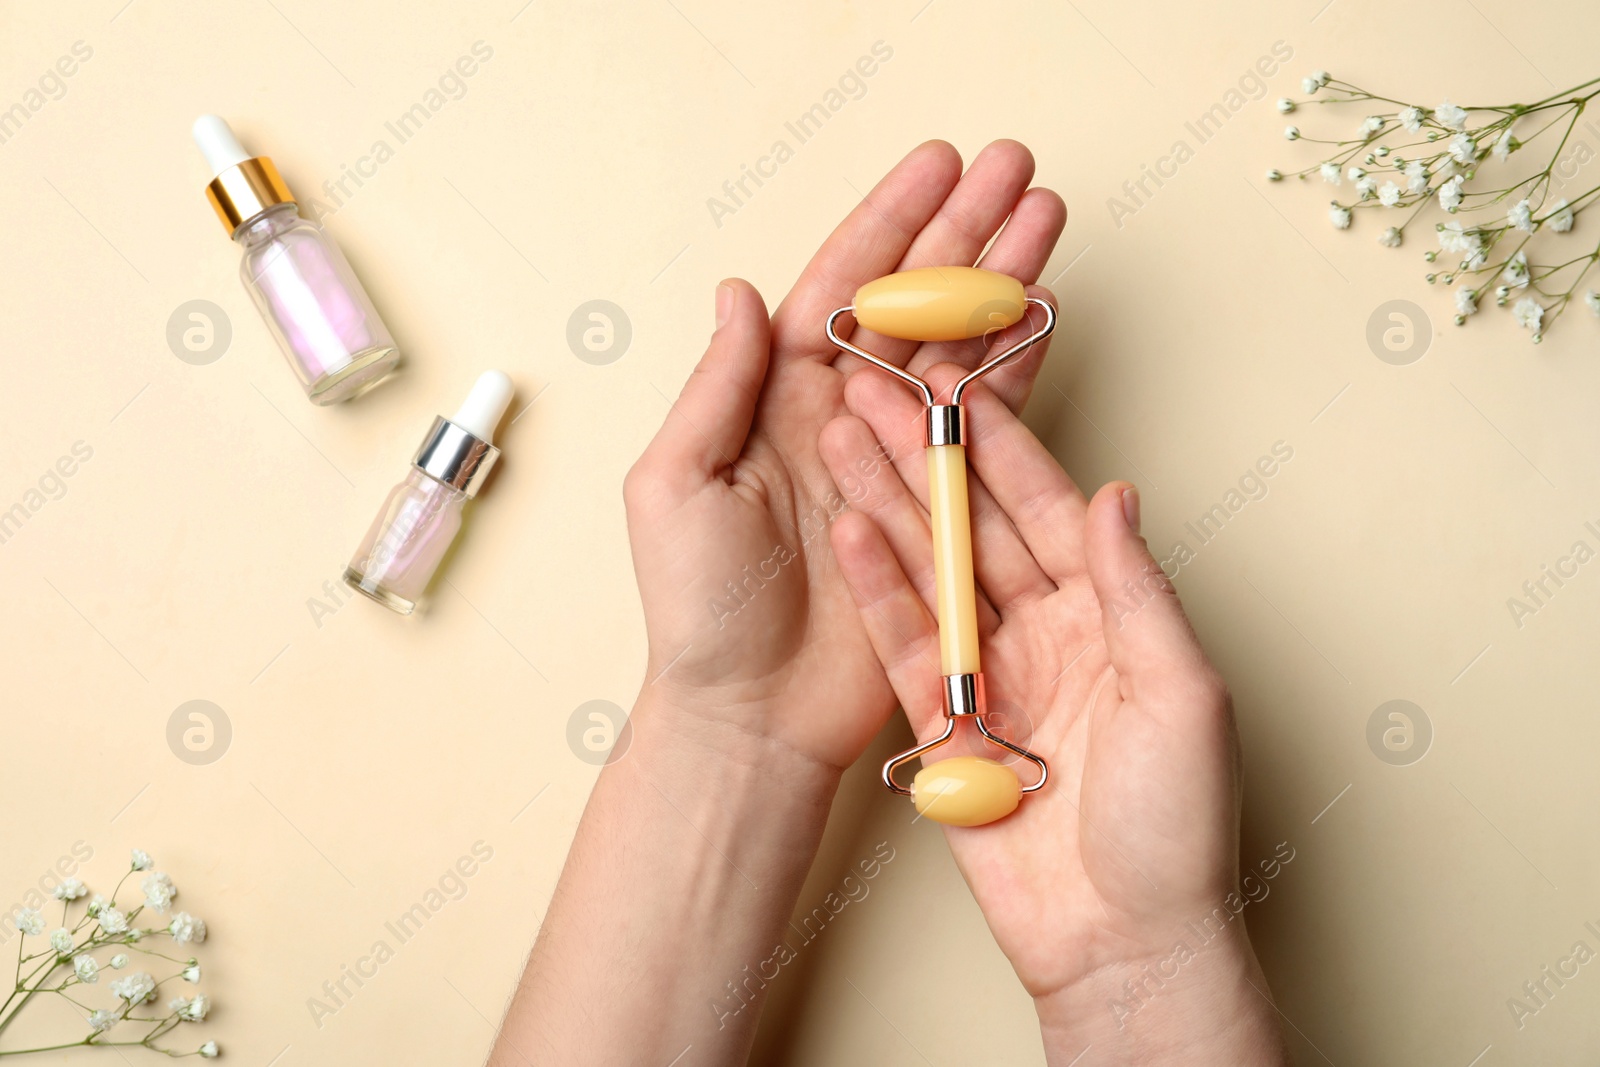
<point x="217" y="141"/>
<point x="485" y="406"/>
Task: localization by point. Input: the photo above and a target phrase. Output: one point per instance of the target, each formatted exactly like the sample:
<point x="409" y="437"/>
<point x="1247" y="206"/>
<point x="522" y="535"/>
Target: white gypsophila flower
<point x="1355" y="174"/>
<point x="1502" y="145"/>
<point x="1500" y="294"/>
<point x="30" y="922"/>
<point x="1366" y="185"/>
<point x="1340" y="217"/>
<point x="1390" y="238"/>
<point x="1285" y="105"/>
<point x="1516" y="272"/>
<point x="136" y="988"/>
<point x="191" y="974"/>
<point x="1450" y="116"/>
<point x="1592" y="298"/>
<point x="1371" y="125"/>
<point x="1521" y="216"/>
<point x="1330" y="173"/>
<point x="158" y="890"/>
<point x="1411" y="119"/>
<point x="1528" y="313"/>
<point x="96" y="902"/>
<point x="1389" y="194"/>
<point x="112" y="921"/>
<point x="1560" y="218"/>
<point x="1450" y="193"/>
<point x="86" y="968"/>
<point x="1454" y="238"/>
<point x="142" y="860"/>
<point x="185" y="928"/>
<point x="1474" y="259"/>
<point x="209" y="1050"/>
<point x="61" y="941"/>
<point x="191" y="1009"/>
<point x="119" y="961"/>
<point x="1466" y="301"/>
<point x="1417" y="176"/>
<point x="1463" y="149"/>
<point x="1274" y="175"/>
<point x="1322" y="76"/>
<point x="69" y="889"/>
<point x="1291" y="133"/>
<point x="101" y="1020"/>
<point x="1309" y="85"/>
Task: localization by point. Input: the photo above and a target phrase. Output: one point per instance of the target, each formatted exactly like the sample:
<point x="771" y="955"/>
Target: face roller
<point x="952" y="304"/>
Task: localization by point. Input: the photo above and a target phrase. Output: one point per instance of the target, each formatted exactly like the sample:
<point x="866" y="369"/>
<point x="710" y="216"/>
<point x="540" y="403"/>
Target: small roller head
<point x="966" y="791"/>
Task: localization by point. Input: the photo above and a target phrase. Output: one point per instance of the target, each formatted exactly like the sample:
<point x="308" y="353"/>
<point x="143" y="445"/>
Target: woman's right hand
<point x="1100" y="888"/>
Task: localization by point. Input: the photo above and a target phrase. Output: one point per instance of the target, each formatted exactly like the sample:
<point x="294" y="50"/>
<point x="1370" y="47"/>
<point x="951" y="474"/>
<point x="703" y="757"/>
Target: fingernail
<point x="1130" y="508"/>
<point x="724" y="303"/>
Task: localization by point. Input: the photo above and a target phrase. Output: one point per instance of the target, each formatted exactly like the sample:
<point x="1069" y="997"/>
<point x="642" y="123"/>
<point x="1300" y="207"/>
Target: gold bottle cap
<point x="245" y="190"/>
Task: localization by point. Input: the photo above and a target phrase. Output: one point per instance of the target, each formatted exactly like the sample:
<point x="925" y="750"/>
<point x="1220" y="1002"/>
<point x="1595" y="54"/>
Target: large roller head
<point x="940" y="303"/>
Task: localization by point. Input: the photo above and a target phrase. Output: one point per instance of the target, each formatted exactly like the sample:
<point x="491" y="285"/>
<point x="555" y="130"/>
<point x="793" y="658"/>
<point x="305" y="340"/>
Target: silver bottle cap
<point x="455" y="456"/>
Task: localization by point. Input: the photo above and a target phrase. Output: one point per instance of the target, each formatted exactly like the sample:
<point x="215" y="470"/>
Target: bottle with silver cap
<point x="422" y="515"/>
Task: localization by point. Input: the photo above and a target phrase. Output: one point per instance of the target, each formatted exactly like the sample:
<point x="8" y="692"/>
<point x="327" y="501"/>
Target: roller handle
<point x="952" y="559"/>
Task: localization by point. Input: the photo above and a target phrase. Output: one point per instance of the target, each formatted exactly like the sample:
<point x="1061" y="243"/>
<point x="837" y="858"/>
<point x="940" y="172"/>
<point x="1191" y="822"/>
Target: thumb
<point x="706" y="428"/>
<point x="1147" y="635"/>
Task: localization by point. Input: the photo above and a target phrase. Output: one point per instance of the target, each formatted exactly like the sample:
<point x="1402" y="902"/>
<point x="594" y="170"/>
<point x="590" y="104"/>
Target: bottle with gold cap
<point x="316" y="308"/>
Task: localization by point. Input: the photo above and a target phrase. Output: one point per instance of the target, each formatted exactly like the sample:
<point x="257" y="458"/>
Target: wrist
<point x="726" y="740"/>
<point x="692" y="850"/>
<point x="750" y="786"/>
<point x="1198" y="1002"/>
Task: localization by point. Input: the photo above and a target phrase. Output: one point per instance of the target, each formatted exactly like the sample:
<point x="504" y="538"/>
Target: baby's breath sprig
<point x="1404" y="157"/>
<point x="71" y="959"/>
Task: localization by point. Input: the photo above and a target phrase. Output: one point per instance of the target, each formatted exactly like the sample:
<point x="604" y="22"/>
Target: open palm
<point x="729" y="507"/>
<point x="1088" y="661"/>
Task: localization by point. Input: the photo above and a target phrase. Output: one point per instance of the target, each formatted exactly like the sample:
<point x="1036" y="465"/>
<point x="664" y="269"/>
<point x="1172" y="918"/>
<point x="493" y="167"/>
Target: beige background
<point x="369" y="752"/>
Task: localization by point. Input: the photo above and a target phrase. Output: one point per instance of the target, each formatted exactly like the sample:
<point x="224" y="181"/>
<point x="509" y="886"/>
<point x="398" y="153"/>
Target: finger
<point x="975" y="209"/>
<point x="863" y="469"/>
<point x="704" y="432"/>
<point x="1004" y="568"/>
<point x="1028" y="239"/>
<point x="1021" y="250"/>
<point x="1044" y="504"/>
<point x="902" y="631"/>
<point x="1148" y="637"/>
<point x="866" y="245"/>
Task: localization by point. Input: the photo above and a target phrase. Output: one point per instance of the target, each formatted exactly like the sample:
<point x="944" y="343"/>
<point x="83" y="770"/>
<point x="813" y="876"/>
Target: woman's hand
<point x="750" y="623"/>
<point x="1131" y="850"/>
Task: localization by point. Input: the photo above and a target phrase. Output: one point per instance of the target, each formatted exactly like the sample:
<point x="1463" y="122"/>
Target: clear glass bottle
<point x="413" y="530"/>
<point x="422" y="515"/>
<point x="310" y="298"/>
<point x="301" y="283"/>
